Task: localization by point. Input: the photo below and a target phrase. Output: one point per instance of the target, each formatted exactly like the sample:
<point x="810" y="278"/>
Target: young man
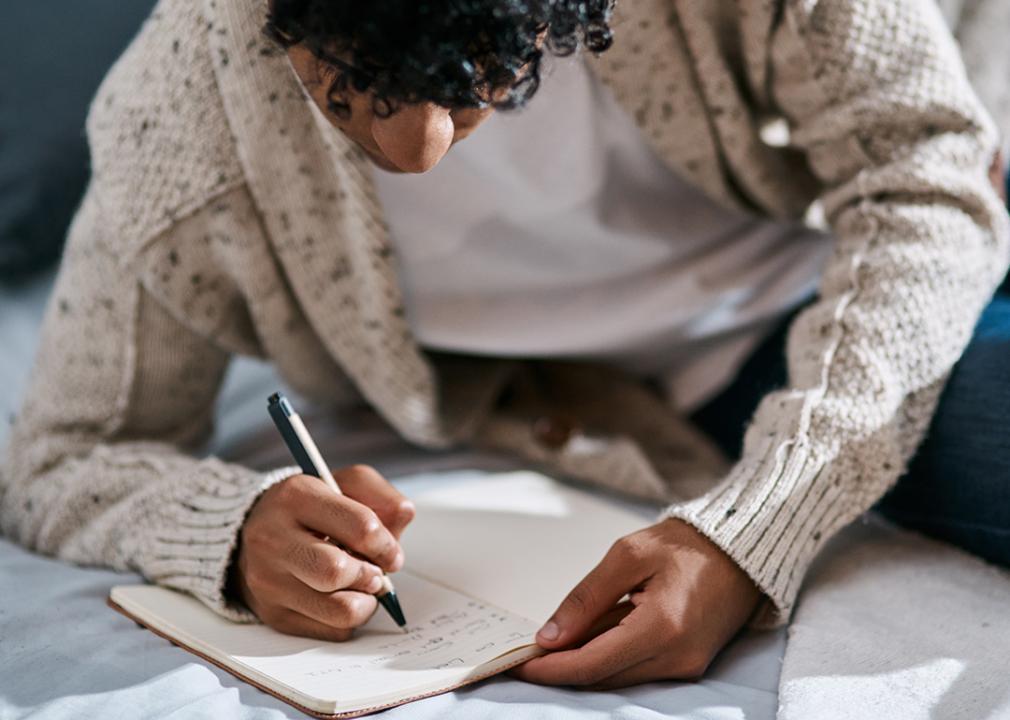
<point x="615" y="224"/>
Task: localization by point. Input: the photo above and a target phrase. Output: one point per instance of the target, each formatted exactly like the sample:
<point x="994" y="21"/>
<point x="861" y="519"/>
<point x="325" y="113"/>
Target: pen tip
<point x="392" y="605"/>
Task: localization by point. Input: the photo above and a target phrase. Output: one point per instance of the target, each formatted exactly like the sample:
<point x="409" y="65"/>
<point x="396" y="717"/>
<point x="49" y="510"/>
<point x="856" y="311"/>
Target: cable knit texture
<point x="226" y="216"/>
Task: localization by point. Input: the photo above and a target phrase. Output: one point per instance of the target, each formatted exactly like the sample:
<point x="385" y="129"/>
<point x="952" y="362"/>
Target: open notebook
<point x="489" y="557"/>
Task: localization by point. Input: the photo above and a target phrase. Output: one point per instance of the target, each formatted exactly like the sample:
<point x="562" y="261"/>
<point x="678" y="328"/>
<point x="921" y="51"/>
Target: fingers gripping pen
<point x="307" y="455"/>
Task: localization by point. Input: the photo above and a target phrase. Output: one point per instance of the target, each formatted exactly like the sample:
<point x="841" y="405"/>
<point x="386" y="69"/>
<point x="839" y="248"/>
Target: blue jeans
<point x="957" y="487"/>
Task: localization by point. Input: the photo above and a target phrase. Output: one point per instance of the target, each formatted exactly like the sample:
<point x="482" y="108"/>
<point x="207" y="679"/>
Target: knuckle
<point x="387" y="553"/>
<point x="289" y="494"/>
<point x="341" y="606"/>
<point x="371" y="526"/>
<point x="363" y="610"/>
<point x="407" y="512"/>
<point x="286" y="490"/>
<point x="629" y="548"/>
<point x="362" y="471"/>
<point x="618" y="551"/>
<point x="334" y="570"/>
<point x="361" y="475"/>
<point x="361" y="519"/>
<point x="350" y="609"/>
<point x="364" y="575"/>
<point x="580" y="599"/>
<point x="377" y="539"/>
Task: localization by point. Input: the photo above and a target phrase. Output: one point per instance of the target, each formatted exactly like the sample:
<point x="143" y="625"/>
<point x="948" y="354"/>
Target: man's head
<point x="407" y="79"/>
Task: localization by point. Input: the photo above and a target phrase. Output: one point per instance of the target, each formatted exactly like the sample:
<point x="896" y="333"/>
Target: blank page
<point x="520" y="539"/>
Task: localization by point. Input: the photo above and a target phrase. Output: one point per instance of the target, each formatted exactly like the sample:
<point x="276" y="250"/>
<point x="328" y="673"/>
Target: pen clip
<point x="280" y="418"/>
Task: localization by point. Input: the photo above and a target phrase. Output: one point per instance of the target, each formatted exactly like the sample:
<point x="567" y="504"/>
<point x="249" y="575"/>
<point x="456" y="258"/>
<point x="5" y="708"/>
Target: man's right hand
<point x="300" y="584"/>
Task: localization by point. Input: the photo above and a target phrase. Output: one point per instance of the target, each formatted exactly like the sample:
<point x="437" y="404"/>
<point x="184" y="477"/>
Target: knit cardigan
<point x="226" y="216"/>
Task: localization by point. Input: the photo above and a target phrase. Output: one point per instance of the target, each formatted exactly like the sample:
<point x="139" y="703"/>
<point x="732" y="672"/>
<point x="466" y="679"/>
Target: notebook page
<point x="450" y="636"/>
<point x="520" y="538"/>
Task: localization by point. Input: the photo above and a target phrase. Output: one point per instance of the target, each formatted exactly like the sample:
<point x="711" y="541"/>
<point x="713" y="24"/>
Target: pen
<point x="307" y="455"/>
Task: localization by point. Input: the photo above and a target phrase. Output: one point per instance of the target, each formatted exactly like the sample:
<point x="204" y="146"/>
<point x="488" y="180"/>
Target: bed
<point x="64" y="653"/>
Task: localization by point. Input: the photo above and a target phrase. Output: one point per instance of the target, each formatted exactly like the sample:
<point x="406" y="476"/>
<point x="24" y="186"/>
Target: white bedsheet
<point x="895" y="625"/>
<point x="64" y="653"/>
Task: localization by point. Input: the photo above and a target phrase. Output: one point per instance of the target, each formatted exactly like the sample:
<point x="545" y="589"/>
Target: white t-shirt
<point x="556" y="232"/>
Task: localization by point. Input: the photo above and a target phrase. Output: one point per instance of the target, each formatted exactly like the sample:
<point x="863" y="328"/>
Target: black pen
<point x="307" y="455"/>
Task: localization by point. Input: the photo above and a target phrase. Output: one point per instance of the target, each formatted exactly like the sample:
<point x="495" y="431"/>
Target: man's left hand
<point x="687" y="599"/>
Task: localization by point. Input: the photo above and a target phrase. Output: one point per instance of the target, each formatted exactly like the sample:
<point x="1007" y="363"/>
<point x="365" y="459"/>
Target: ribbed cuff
<point x="770" y="515"/>
<point x="194" y="551"/>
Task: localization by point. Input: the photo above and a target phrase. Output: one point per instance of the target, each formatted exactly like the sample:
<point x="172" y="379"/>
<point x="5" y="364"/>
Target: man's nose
<point x="415" y="137"/>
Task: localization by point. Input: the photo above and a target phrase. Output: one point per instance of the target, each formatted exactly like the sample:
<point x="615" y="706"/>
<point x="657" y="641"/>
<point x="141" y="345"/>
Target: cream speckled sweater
<point x="225" y="217"/>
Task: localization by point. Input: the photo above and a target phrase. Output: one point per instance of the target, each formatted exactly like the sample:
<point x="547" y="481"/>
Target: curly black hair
<point x="454" y="53"/>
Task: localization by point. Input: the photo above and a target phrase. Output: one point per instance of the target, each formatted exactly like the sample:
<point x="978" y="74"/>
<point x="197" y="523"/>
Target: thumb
<point x="588" y="601"/>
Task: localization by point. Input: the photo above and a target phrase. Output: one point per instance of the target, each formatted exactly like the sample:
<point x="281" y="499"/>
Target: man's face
<point x="411" y="140"/>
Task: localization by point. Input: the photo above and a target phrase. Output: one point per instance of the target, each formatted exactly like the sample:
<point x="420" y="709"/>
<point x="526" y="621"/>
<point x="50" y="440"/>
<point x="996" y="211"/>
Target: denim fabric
<point x="1006" y="283"/>
<point x="957" y="487"/>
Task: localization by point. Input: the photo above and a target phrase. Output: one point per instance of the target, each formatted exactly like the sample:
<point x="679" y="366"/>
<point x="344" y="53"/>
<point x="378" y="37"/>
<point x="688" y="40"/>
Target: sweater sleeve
<point x="876" y="97"/>
<point x="99" y="469"/>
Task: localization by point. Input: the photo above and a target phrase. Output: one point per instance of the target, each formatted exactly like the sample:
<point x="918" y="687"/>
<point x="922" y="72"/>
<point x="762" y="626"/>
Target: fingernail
<point x="550" y="631"/>
<point x="398" y="561"/>
<point x="374" y="585"/>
